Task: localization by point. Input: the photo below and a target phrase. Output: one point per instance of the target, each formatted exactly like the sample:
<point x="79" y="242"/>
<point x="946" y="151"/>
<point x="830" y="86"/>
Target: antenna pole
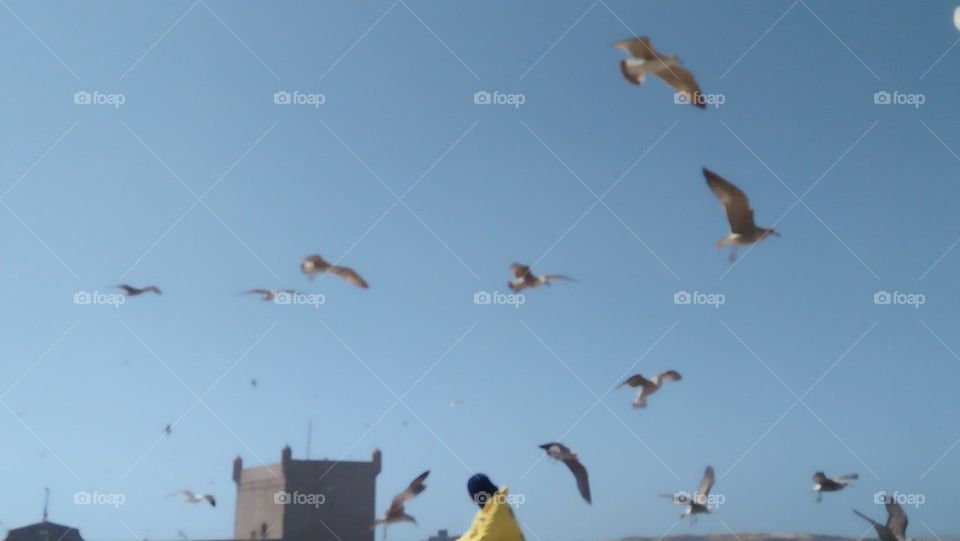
<point x="46" y="502"/>
<point x="309" y="436"/>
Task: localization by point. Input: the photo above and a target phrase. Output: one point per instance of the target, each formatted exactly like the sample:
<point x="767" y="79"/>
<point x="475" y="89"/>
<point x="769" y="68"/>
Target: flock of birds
<point x="643" y="60"/>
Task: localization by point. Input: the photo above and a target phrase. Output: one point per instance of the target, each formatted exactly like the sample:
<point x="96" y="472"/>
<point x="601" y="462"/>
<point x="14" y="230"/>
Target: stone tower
<point x="306" y="500"/>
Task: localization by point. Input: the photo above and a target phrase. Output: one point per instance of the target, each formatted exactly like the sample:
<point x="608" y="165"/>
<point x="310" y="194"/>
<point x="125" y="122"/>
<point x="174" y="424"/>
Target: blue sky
<point x="201" y="184"/>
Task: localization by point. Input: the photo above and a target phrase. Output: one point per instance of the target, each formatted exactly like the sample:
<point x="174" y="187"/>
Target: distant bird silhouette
<point x="190" y="497"/>
<point x="253" y="382"/>
<point x="564" y="454"/>
<point x="736" y="206"/>
<point x="644" y="59"/>
<point x="168" y="429"/>
<point x="822" y="483"/>
<point x="396" y="513"/>
<point x="896" y="527"/>
<point x="697" y="504"/>
<point x="270" y="294"/>
<point x="523" y="278"/>
<point x="648" y="387"/>
<point x="131" y="291"/>
<point x="314" y="264"/>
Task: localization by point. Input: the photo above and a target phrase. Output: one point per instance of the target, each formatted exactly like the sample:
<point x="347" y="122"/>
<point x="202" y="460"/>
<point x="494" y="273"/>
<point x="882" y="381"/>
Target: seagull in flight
<point x="523" y="278"/>
<point x="736" y="206"/>
<point x="190" y="497"/>
<point x="648" y="387"/>
<point x="698" y="503"/>
<point x="822" y="483"/>
<point x="270" y="294"/>
<point x="396" y="513"/>
<point x="314" y="264"/>
<point x="896" y="527"/>
<point x="563" y="453"/>
<point x="131" y="291"/>
<point x="644" y="59"/>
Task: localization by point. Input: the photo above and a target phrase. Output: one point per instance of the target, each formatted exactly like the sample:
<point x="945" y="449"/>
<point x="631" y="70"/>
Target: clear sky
<point x="199" y="183"/>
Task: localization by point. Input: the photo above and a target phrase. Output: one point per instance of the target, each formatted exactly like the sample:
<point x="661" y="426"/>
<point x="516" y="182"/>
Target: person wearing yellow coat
<point x="495" y="520"/>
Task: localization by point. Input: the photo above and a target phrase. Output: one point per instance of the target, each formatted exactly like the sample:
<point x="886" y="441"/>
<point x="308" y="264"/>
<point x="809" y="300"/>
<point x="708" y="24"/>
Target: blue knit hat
<point x="481" y="489"/>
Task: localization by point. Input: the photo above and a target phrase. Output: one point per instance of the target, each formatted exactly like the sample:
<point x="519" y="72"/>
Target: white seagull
<point x="314" y="264"/>
<point x="644" y="59"/>
<point x="190" y="497"/>
<point x="523" y="278"/>
<point x="822" y="483"/>
<point x="896" y="527"/>
<point x="697" y="504"/>
<point x="736" y="206"/>
<point x="130" y="291"/>
<point x="648" y="387"/>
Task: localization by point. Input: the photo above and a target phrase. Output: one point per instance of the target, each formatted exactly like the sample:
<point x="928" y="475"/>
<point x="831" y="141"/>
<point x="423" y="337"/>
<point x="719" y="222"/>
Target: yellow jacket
<point x="495" y="522"/>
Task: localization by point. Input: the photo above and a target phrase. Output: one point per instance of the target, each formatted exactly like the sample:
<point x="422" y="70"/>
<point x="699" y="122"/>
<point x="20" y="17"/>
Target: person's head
<point x="481" y="489"/>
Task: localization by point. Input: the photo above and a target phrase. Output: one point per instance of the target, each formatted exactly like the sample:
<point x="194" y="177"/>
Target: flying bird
<point x="314" y="264"/>
<point x="131" y="291"/>
<point x="822" y="483"/>
<point x="743" y="230"/>
<point x="396" y="513"/>
<point x="168" y="429"/>
<point x="253" y="382"/>
<point x="564" y="454"/>
<point x="190" y="497"/>
<point x="523" y="278"/>
<point x="270" y="294"/>
<point x="696" y="505"/>
<point x="644" y="59"/>
<point x="648" y="387"/>
<point x="896" y="527"/>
